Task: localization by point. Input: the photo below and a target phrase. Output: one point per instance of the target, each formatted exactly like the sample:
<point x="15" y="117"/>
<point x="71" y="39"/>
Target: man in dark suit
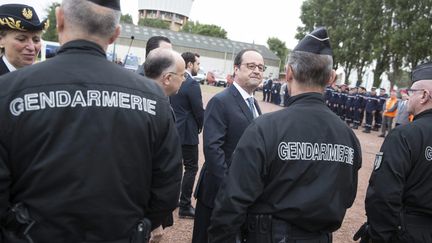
<point x="188" y="107"/>
<point x="226" y="117"/>
<point x="157" y="41"/>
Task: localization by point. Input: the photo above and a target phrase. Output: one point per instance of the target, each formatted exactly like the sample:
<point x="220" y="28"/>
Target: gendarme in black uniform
<point x="400" y="187"/>
<point x="87" y="147"/>
<point x="399" y="197"/>
<point x="294" y="172"/>
<point x="304" y="172"/>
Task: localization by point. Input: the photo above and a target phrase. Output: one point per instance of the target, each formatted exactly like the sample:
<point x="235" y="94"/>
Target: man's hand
<point x="156" y="235"/>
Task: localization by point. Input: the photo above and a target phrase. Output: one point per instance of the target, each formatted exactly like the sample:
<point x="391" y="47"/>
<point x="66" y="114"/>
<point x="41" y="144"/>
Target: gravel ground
<point x="181" y="232"/>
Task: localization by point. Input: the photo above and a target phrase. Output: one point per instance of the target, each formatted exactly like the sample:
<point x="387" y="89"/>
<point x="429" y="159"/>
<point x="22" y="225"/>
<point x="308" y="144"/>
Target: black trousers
<point x="378" y="119"/>
<point x="369" y="118"/>
<point x="279" y="231"/>
<point x="201" y="223"/>
<point x="358" y="116"/>
<point x="190" y="162"/>
<point x="349" y="115"/>
<point x="265" y="94"/>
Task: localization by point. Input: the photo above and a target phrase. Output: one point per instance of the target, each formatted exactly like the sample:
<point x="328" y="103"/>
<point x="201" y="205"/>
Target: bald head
<point x="423" y="84"/>
<point x="421" y="97"/>
<point x="167" y="67"/>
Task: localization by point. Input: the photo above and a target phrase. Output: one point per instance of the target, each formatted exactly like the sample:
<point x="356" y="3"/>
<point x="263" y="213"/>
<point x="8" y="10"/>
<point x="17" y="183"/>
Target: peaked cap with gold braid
<point x="20" y="17"/>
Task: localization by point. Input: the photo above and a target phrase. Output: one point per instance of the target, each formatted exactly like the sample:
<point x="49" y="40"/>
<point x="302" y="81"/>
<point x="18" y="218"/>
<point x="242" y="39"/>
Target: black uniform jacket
<point x="371" y="103"/>
<point x="226" y="117"/>
<point x="401" y="182"/>
<point x="188" y="108"/>
<point x="299" y="164"/>
<point x="3" y="67"/>
<point x="87" y="146"/>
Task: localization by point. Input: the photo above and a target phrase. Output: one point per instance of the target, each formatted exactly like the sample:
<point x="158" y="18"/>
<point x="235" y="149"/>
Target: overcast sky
<point x="247" y="21"/>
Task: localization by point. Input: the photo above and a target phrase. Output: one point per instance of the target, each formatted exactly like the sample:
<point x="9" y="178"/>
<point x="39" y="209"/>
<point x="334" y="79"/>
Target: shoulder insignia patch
<point x="378" y="160"/>
<point x="428" y="153"/>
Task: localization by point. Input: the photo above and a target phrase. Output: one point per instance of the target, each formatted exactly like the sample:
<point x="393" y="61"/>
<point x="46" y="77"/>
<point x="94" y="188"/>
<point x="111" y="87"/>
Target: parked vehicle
<point x="201" y="76"/>
<point x="230" y="79"/>
<point x="48" y="49"/>
<point x="131" y="62"/>
<point x="216" y="79"/>
<point x="111" y="56"/>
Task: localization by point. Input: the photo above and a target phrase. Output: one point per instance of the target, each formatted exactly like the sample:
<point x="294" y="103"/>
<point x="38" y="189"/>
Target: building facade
<point x="217" y="54"/>
<point x="175" y="12"/>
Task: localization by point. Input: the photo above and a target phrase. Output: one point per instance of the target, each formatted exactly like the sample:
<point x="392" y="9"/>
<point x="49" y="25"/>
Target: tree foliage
<point x="279" y="48"/>
<point x="51" y="33"/>
<point x="126" y="18"/>
<point x="155" y="23"/>
<point x="204" y="29"/>
<point x="391" y="36"/>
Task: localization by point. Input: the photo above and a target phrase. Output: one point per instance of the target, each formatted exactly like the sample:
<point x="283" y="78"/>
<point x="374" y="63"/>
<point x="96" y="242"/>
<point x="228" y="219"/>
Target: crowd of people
<point x="376" y="112"/>
<point x="97" y="153"/>
<point x="275" y="91"/>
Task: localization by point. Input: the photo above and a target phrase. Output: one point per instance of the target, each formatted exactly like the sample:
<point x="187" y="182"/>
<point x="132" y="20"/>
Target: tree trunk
<point x="360" y="73"/>
<point x="348" y="69"/>
<point x="380" y="67"/>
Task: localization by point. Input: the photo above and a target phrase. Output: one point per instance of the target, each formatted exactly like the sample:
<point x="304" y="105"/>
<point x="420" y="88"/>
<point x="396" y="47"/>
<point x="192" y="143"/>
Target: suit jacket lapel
<point x="240" y="102"/>
<point x="3" y="67"/>
<point x="257" y="107"/>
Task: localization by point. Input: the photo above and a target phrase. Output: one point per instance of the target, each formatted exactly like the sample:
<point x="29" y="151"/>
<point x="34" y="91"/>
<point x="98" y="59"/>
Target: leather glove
<point x="363" y="234"/>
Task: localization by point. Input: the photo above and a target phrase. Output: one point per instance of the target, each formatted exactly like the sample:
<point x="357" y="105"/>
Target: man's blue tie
<point x="250" y="101"/>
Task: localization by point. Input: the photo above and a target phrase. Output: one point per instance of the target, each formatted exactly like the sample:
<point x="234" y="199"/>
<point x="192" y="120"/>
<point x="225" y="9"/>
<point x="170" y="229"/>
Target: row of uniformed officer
<point x="88" y="150"/>
<point x="341" y="101"/>
<point x="294" y="172"/>
<point x="371" y="108"/>
<point x="351" y="106"/>
<point x="382" y="98"/>
<point x="399" y="197"/>
<point x="359" y="106"/>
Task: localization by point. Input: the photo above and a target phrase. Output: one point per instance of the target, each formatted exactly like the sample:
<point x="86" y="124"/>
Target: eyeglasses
<point x="184" y="75"/>
<point x="252" y="66"/>
<point x="411" y="92"/>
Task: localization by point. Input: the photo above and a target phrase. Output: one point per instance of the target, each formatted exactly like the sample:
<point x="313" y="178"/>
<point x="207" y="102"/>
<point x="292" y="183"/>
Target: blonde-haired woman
<point x="20" y="36"/>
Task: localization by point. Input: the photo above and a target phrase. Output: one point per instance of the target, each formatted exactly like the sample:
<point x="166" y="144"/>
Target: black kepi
<point x="422" y="72"/>
<point x="316" y="42"/>
<point x="112" y="4"/>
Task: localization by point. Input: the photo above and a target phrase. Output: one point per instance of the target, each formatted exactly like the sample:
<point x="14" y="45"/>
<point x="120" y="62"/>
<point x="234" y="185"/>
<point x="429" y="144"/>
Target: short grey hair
<point x="309" y="69"/>
<point x="90" y="18"/>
